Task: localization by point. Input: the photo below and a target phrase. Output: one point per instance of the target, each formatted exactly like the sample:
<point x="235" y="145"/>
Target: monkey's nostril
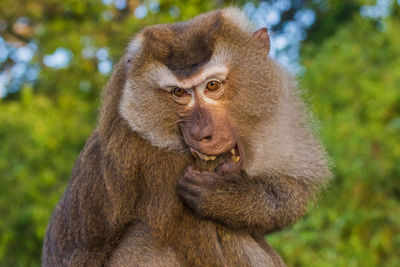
<point x="206" y="139"/>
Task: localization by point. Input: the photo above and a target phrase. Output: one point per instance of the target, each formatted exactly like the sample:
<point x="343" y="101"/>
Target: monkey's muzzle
<point x="231" y="155"/>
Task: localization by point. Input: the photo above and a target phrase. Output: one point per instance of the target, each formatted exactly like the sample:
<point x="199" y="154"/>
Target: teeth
<point x="236" y="159"/>
<point x="207" y="158"/>
<point x="233" y="152"/>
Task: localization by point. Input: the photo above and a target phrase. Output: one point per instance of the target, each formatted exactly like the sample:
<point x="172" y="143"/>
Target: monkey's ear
<point x="262" y="36"/>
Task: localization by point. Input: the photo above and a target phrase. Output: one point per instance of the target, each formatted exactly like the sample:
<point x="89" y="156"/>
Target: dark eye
<point x="213" y="85"/>
<point x="179" y="92"/>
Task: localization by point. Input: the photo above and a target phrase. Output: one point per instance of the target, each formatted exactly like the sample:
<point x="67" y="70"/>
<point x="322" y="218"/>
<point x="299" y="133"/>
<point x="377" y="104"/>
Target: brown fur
<point x="122" y="206"/>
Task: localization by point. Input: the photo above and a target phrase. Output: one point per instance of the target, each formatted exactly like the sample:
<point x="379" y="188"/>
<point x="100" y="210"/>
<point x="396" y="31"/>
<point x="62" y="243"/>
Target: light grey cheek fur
<point x="141" y="120"/>
<point x="131" y="109"/>
<point x="139" y="115"/>
<point x="286" y="145"/>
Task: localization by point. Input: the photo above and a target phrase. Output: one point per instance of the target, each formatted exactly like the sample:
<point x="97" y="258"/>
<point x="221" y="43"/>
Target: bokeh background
<point x="56" y="56"/>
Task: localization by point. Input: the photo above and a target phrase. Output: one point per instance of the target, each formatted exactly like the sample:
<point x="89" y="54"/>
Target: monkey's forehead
<point x="184" y="47"/>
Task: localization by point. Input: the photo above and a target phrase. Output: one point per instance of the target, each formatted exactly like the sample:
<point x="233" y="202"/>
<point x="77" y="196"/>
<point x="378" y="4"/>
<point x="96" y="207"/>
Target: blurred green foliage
<point x="352" y="83"/>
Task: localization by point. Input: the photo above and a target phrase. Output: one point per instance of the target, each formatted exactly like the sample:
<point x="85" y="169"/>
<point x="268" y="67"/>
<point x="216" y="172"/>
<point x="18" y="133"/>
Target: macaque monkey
<point x="203" y="147"/>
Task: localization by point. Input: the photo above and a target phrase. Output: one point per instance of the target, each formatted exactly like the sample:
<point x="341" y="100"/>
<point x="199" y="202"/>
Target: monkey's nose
<point x="201" y="134"/>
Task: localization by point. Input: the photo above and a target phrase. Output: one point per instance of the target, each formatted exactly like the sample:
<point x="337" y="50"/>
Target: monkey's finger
<point x="208" y="177"/>
<point x="191" y="170"/>
<point x="185" y="185"/>
<point x="196" y="177"/>
<point x="191" y="201"/>
<point x="227" y="167"/>
<point x="192" y="178"/>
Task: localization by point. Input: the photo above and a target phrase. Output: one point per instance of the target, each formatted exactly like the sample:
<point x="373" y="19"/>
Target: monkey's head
<point x="206" y="85"/>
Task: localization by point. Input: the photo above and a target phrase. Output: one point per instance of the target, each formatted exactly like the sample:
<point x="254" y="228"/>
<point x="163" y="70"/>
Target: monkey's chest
<point x="202" y="244"/>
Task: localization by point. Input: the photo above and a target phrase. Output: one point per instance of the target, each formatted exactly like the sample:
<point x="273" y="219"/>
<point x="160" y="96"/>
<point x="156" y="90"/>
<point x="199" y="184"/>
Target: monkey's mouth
<point x="232" y="154"/>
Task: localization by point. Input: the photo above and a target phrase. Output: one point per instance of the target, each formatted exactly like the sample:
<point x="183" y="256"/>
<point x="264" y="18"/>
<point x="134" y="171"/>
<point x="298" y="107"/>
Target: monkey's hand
<point x="195" y="187"/>
<point x="254" y="204"/>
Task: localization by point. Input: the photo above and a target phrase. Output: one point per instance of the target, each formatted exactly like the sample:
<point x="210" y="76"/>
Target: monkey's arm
<point x="256" y="204"/>
<point x="85" y="226"/>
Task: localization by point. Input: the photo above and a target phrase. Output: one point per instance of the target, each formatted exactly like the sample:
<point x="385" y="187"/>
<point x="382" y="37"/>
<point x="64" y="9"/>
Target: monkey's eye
<point x="178" y="92"/>
<point x="213" y="85"/>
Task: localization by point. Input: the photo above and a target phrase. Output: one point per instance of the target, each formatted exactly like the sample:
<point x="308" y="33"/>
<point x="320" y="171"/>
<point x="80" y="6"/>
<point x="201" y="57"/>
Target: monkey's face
<point x="204" y="120"/>
<point x="201" y="85"/>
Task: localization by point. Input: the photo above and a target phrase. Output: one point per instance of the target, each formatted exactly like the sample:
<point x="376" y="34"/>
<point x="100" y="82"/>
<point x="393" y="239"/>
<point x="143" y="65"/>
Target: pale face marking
<point x="168" y="81"/>
<point x="200" y="91"/>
